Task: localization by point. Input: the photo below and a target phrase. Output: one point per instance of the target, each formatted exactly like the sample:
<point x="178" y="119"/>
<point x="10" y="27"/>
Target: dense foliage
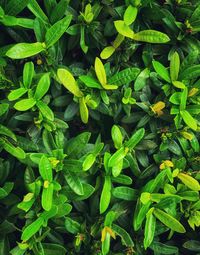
<point x="99" y="128"/>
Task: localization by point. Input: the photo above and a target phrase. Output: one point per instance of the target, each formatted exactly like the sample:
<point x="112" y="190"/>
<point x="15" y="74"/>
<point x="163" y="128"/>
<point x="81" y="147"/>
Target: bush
<point x="100" y="111"/>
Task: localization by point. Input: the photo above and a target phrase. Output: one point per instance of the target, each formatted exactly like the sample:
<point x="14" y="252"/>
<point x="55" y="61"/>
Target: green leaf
<point x="161" y="71"/>
<point x="88" y="162"/>
<point x="105" y="247"/>
<point x="141" y="79"/>
<point x="90" y="81"/>
<point x="47" y="197"/>
<point x="116" y="136"/>
<point x="125" y="193"/>
<point x="117" y="168"/>
<point x="63" y="210"/>
<point x="59" y="11"/>
<point x="25" y="50"/>
<point x="192" y="72"/>
<point x="74" y="183"/>
<point x="53" y="249"/>
<point x="105" y="195"/>
<point x="3" y="108"/>
<point x="83" y="45"/>
<point x="117" y="157"/>
<point x="135" y="138"/>
<point x="42" y="87"/>
<point x="125" y="76"/>
<point x="192" y="245"/>
<point x="7" y="132"/>
<point x="54" y="33"/>
<point x="32" y="229"/>
<point x="123" y="29"/>
<point x="126" y="238"/>
<point x="178" y="84"/>
<point x="140" y="214"/>
<point x="45" y="169"/>
<point x="13" y="7"/>
<point x="130" y="15"/>
<point x="28" y="73"/>
<point x="25" y="104"/>
<point x="72" y="226"/>
<point x="174" y="66"/>
<point x="150" y="227"/>
<point x="122" y="179"/>
<point x="161" y="248"/>
<point x="17" y="93"/>
<point x="67" y="79"/>
<point x="100" y="72"/>
<point x="107" y="52"/>
<point x="151" y="36"/>
<point x="169" y="221"/>
<point x="49" y="214"/>
<point x="45" y="110"/>
<point x="189" y="120"/>
<point x="23" y="22"/>
<point x="15" y="151"/>
<point x="88" y="190"/>
<point x="35" y="8"/>
<point x="184" y="95"/>
<point x="83" y="110"/>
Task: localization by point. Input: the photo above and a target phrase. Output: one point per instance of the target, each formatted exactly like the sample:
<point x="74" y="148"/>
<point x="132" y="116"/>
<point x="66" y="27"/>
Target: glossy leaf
<point x="74" y="183"/>
<point x="107" y="52"/>
<point x="130" y="15"/>
<point x="162" y="71"/>
<point x="100" y="72"/>
<point x="42" y="87"/>
<point x="123" y="29"/>
<point x="57" y="30"/>
<point x="45" y="169"/>
<point x="105" y="195"/>
<point x="189" y="120"/>
<point x="174" y="66"/>
<point x="67" y="79"/>
<point x="32" y="229"/>
<point x="150" y="227"/>
<point x="151" y="36"/>
<point x="189" y="181"/>
<point x="25" y="104"/>
<point x="135" y="138"/>
<point x="169" y="221"/>
<point x="47" y="197"/>
<point x="25" y="50"/>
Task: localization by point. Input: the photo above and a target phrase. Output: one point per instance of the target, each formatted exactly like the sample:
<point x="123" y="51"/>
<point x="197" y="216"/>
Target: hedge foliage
<point x="99" y="128"/>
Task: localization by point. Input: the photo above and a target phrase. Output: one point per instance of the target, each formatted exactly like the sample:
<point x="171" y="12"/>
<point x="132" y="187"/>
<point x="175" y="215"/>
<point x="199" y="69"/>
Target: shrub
<point x="99" y="128"/>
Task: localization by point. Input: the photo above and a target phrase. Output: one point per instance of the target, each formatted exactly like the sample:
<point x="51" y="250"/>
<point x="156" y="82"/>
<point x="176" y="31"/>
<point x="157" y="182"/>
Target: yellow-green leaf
<point x="174" y="66"/>
<point x="107" y="52"/>
<point x="110" y="87"/>
<point x="178" y="84"/>
<point x="151" y="36"/>
<point x="118" y="40"/>
<point x="123" y="29"/>
<point x="24" y="50"/>
<point x="67" y="79"/>
<point x="130" y="15"/>
<point x="100" y="72"/>
<point x="25" y="104"/>
<point x="83" y="110"/>
<point x="188" y="119"/>
<point x="189" y="181"/>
